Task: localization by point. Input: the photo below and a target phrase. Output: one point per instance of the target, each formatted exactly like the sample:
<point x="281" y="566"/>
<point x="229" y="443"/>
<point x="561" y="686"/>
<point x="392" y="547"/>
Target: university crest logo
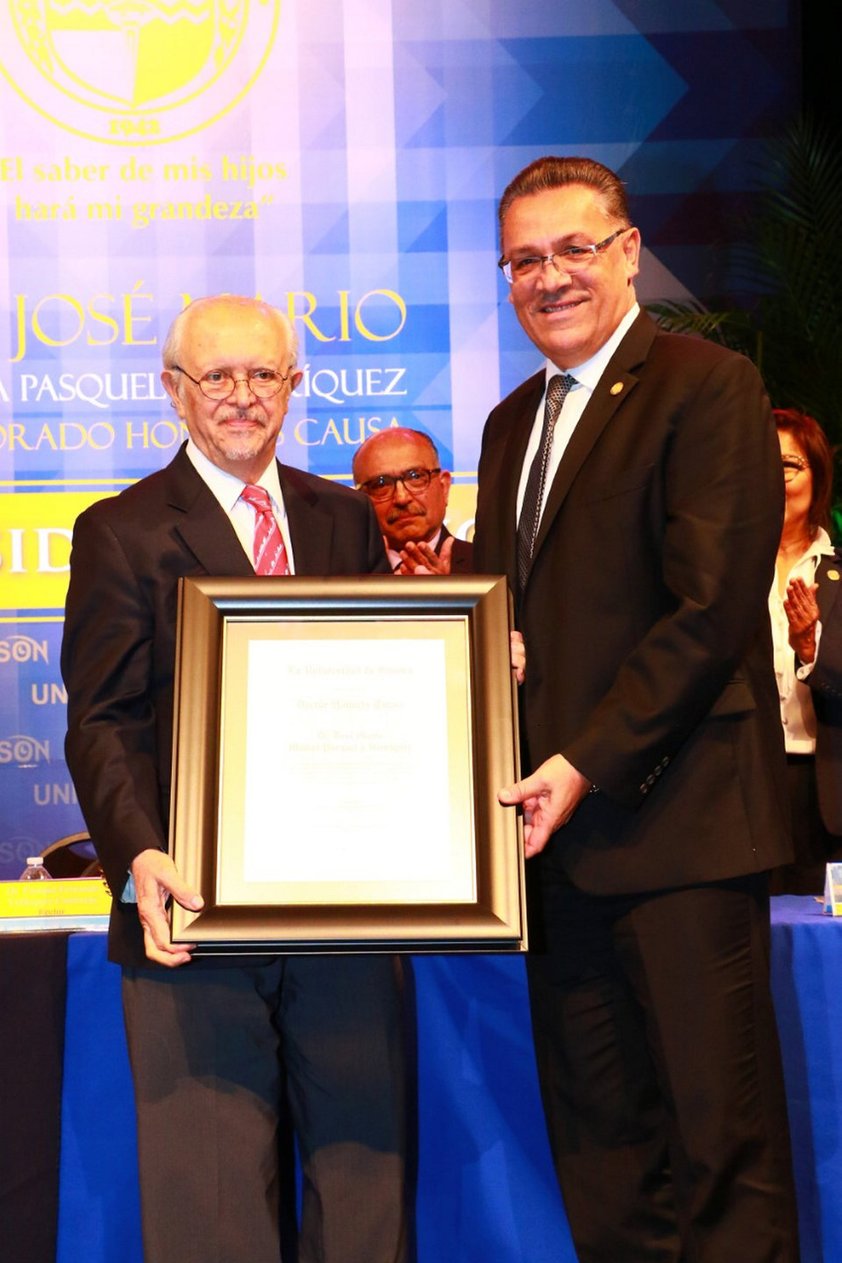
<point x="132" y="72"/>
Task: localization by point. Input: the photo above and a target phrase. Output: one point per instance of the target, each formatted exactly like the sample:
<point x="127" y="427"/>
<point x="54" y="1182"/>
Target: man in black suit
<point x="400" y="471"/>
<point x="216" y="1046"/>
<point x="638" y="518"/>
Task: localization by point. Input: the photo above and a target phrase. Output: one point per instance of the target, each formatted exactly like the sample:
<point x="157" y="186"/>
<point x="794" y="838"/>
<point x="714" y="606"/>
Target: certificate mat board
<point x="338" y="747"/>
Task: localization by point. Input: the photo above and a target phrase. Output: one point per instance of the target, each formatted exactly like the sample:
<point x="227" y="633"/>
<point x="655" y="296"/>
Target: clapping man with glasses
<point x="400" y="472"/>
<point x="631" y="489"/>
<point x="216" y="1046"/>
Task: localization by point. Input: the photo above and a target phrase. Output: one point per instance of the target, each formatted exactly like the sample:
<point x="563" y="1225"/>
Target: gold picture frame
<point x="338" y="747"/>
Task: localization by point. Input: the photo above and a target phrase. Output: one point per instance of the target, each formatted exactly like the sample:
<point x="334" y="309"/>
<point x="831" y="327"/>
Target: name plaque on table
<point x="833" y="889"/>
<point x="338" y="747"/>
<point x="63" y="903"/>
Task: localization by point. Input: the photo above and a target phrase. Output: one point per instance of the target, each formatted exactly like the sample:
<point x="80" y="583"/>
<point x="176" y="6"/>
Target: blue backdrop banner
<point x="342" y="159"/>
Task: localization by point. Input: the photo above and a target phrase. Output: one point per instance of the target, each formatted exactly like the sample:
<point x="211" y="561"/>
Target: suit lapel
<point x="310" y="525"/>
<point x="524" y="406"/>
<point x="613" y="388"/>
<point x="202" y="524"/>
<point x="444" y="534"/>
<point x="829" y="588"/>
<point x="206" y="531"/>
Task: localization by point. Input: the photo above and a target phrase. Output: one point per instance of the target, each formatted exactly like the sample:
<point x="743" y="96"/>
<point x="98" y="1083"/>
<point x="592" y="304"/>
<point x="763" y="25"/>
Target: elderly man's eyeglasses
<point x="218" y="383"/>
<point x="383" y="486"/>
<point x="570" y="259"/>
<point x="793" y="466"/>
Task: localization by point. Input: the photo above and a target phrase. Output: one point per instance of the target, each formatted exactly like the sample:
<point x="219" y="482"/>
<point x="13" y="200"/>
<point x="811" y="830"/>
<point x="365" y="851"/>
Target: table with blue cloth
<point x="486" y="1192"/>
<point x="807" y="982"/>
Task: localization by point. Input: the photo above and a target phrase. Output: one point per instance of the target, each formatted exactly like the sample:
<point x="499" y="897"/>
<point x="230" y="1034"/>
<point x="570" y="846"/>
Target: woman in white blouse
<point x="793" y="608"/>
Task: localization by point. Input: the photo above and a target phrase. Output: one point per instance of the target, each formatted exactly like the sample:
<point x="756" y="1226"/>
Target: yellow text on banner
<point x="35" y="534"/>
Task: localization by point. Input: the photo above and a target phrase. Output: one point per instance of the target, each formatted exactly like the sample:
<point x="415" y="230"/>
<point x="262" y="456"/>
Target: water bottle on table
<point x="35" y="870"/>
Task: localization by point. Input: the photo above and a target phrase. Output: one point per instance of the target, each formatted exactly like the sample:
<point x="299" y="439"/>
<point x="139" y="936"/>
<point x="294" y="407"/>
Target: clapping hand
<point x="420" y="558"/>
<point x="802" y="611"/>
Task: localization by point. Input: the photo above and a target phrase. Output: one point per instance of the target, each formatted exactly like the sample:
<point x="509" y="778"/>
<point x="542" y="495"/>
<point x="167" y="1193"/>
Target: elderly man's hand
<point x="549" y="797"/>
<point x="156" y="878"/>
<point x="420" y="558"/>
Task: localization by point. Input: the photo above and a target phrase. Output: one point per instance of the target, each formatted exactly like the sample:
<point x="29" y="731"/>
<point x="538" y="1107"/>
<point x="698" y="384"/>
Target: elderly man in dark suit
<point x="216" y="1046"/>
<point x="400" y="471"/>
<point x="632" y="491"/>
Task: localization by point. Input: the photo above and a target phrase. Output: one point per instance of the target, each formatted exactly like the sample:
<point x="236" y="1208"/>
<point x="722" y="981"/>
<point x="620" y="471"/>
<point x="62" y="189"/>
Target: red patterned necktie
<point x="270" y="554"/>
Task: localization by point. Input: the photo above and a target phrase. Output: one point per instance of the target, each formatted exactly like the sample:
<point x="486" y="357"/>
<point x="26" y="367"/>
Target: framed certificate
<point x="338" y="748"/>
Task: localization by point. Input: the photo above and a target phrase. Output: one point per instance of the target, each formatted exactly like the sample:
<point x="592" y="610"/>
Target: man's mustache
<point x="394" y="514"/>
<point x="241" y="414"/>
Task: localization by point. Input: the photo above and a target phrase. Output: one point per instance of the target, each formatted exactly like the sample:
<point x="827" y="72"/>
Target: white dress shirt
<point x="227" y="489"/>
<point x="587" y="375"/>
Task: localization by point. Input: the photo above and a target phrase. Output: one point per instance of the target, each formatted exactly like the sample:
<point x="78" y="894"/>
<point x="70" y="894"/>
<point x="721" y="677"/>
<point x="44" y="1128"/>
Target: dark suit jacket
<point x="649" y="660"/>
<point x="462" y="554"/>
<point x="825" y="681"/>
<point x="118" y="652"/>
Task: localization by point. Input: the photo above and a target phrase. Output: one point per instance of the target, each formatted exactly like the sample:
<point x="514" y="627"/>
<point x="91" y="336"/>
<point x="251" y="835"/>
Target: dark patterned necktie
<point x="270" y="554"/>
<point x="527" y="529"/>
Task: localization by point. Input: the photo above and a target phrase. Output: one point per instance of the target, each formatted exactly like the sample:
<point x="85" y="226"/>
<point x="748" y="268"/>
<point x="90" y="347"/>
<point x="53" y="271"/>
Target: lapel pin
<point x="833" y="574"/>
<point x="616" y="388"/>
